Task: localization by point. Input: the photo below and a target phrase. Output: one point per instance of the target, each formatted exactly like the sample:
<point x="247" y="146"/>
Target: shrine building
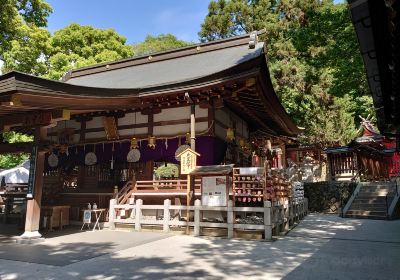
<point x="112" y="123"/>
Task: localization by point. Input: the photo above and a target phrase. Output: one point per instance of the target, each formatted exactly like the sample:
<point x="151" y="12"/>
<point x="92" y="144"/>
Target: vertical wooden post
<point x="193" y="127"/>
<point x="267" y="221"/>
<point x="138" y="214"/>
<point x="150" y="128"/>
<point x="188" y="198"/>
<point x="197" y="205"/>
<point x="211" y="118"/>
<point x="230" y="219"/>
<point x="32" y="220"/>
<point x="111" y="214"/>
<point x="286" y="216"/>
<point x="167" y="204"/>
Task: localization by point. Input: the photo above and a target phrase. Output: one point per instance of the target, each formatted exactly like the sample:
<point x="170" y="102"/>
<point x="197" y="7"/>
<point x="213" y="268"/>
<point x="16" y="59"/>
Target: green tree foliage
<point x="76" y="46"/>
<point x="36" y="52"/>
<point x="28" y="51"/>
<point x="314" y="59"/>
<point x="17" y="14"/>
<point x="8" y="161"/>
<point x="162" y="42"/>
<point x="167" y="171"/>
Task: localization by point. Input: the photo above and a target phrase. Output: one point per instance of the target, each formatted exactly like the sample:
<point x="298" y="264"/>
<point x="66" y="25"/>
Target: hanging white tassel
<point x="166" y="143"/>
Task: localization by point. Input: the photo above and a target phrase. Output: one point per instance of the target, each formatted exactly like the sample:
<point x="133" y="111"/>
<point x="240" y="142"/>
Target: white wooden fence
<point x="277" y="218"/>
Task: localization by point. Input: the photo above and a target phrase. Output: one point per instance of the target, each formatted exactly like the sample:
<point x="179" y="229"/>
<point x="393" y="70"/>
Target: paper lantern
<point x="152" y="142"/>
<point x="133" y="155"/>
<point x="52" y="160"/>
<point x="134" y="143"/>
<point x="90" y="158"/>
<point x="230" y="134"/>
<point x="180" y="150"/>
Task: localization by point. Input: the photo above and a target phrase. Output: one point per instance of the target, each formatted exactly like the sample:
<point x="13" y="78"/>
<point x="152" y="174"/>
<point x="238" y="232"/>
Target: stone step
<point x="365" y="217"/>
<point x="371" y="203"/>
<point x="377" y="187"/>
<point x="379" y="194"/>
<point x="369" y="196"/>
<point x="368" y="207"/>
<point x="366" y="212"/>
<point x="374" y="184"/>
<point x="374" y="209"/>
<point x="375" y="191"/>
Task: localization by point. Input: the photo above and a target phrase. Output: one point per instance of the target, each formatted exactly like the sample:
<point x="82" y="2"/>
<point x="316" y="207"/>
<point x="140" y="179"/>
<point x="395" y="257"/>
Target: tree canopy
<point x="16" y="15"/>
<point x="162" y="42"/>
<point x="314" y="59"/>
<point x="70" y="47"/>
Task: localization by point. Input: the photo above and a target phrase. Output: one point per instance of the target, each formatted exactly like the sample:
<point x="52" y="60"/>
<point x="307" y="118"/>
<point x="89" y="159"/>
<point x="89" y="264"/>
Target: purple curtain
<point x="212" y="151"/>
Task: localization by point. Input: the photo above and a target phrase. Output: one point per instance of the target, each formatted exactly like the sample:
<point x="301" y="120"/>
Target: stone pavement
<point x="321" y="247"/>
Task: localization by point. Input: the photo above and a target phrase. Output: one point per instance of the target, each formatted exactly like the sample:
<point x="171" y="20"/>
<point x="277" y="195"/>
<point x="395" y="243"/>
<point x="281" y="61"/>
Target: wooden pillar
<point x="150" y="122"/>
<point x="33" y="205"/>
<point x="188" y="199"/>
<point x="211" y="118"/>
<point x="193" y="127"/>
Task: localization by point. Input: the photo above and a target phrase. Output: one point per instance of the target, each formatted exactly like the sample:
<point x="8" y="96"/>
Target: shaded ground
<point x="321" y="247"/>
<point x="72" y="245"/>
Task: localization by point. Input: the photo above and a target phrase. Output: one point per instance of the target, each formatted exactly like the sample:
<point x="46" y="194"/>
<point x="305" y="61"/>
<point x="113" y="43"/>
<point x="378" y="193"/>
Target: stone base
<point x="30" y="237"/>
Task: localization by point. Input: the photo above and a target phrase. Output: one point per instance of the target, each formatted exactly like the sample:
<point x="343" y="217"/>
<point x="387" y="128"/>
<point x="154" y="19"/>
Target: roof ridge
<point x="160" y="56"/>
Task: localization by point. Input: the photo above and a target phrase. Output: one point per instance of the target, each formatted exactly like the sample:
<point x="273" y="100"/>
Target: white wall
<point x="170" y="114"/>
<point x="227" y="117"/>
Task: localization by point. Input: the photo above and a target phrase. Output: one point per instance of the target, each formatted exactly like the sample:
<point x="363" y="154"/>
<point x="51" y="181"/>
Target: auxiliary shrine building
<point x="107" y="124"/>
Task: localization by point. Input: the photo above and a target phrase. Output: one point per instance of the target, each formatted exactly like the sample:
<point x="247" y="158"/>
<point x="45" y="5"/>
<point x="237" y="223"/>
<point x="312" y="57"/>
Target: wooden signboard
<point x="32" y="173"/>
<point x="188" y="161"/>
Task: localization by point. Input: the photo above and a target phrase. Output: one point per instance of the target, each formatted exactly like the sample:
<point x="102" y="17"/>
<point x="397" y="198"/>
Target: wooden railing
<point x="161" y="186"/>
<point x="164" y="185"/>
<point x="277" y="218"/>
<point x="343" y="163"/>
<point x="125" y="193"/>
<point x="15" y="190"/>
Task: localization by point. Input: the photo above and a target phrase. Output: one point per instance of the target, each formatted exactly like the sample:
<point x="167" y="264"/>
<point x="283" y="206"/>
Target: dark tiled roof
<point x="377" y="26"/>
<point x="196" y="65"/>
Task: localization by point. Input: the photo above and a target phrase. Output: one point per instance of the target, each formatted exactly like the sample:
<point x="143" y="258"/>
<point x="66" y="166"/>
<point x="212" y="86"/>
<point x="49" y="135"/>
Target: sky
<point x="133" y="19"/>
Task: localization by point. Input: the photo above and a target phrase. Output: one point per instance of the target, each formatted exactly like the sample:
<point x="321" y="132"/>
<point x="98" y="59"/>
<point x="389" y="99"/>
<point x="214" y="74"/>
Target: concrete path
<point x="321" y="247"/>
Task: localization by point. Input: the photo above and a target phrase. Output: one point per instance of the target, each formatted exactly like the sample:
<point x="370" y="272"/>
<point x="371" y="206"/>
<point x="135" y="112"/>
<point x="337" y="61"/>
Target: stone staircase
<point x="370" y="202"/>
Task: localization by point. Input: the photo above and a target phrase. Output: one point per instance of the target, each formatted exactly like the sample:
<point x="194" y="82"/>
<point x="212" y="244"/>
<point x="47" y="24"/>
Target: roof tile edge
<point x="164" y="55"/>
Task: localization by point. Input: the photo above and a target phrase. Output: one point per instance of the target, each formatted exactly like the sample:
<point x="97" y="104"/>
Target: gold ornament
<point x="230" y="134"/>
<point x="242" y="143"/>
<point x="187" y="141"/>
<point x="134" y="143"/>
<point x="151" y="142"/>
